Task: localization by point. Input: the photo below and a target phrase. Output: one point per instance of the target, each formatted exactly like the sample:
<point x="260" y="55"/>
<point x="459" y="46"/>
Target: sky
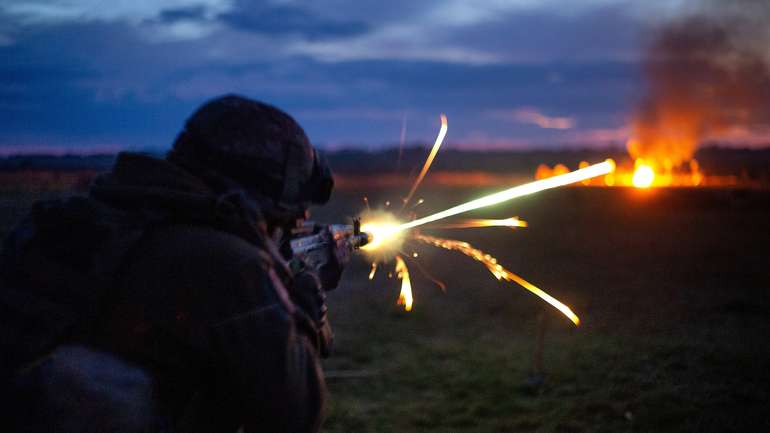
<point x="102" y="75"/>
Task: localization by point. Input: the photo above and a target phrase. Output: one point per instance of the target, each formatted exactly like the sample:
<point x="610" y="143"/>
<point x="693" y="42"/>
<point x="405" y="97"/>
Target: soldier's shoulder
<point x="210" y="273"/>
<point x="200" y="243"/>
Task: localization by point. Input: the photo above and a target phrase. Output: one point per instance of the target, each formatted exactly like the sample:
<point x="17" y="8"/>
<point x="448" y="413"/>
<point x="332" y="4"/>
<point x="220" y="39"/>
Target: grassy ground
<point x="673" y="287"/>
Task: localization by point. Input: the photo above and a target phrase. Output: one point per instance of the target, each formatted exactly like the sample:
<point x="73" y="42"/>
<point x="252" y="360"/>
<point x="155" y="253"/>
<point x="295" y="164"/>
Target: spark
<point x="441" y="285"/>
<point x="595" y="170"/>
<point x="515" y="192"/>
<point x="402" y="139"/>
<point x="512" y="222"/>
<point x="382" y="234"/>
<point x="389" y="232"/>
<point x="405" y="297"/>
<point x="429" y="161"/>
<point x="498" y="271"/>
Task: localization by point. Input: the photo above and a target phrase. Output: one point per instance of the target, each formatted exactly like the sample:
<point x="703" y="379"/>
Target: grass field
<point x="672" y="286"/>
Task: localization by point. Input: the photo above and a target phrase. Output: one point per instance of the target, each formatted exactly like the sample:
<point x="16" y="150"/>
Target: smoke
<point x="708" y="76"/>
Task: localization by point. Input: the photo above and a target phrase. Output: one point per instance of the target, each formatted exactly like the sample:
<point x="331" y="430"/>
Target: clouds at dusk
<point x="127" y="73"/>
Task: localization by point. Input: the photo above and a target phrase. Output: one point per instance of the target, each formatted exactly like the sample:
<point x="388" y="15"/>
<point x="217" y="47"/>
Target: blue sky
<point x="93" y="75"/>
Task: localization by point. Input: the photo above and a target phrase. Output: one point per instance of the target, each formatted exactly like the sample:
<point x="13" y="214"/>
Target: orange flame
<point x="644" y="175"/>
<point x="498" y="271"/>
<point x="664" y="155"/>
<point x="696" y="177"/>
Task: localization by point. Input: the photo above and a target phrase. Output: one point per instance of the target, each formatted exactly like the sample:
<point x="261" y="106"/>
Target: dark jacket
<point x="200" y="300"/>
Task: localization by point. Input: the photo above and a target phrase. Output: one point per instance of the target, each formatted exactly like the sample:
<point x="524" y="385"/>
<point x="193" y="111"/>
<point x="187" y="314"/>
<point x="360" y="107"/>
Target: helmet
<point x="260" y="147"/>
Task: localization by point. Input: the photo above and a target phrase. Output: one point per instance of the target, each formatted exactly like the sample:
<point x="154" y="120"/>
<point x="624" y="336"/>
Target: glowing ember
<point x="498" y="271"/>
<point x="405" y="297"/>
<point x="512" y="222"/>
<point x="373" y="271"/>
<point x="644" y="175"/>
<point x="429" y="161"/>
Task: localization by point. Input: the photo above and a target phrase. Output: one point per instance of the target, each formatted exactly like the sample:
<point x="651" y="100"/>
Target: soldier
<point x="168" y="300"/>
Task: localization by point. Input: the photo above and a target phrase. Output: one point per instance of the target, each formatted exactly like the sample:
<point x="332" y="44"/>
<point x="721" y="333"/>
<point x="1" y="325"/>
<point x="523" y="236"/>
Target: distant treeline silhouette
<point x="751" y="163"/>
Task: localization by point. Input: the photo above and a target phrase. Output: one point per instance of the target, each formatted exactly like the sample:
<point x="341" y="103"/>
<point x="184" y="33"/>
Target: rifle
<point x="318" y="245"/>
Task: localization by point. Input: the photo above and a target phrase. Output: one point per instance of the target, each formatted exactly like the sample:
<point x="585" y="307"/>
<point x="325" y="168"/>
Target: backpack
<point x="56" y="269"/>
<point x="58" y="266"/>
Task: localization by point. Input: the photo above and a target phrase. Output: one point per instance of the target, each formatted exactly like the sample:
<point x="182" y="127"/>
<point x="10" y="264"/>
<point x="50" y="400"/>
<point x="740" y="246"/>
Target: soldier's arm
<point x="270" y="362"/>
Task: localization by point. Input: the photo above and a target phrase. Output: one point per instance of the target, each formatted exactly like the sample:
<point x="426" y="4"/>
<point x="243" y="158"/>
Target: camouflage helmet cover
<point x="259" y="146"/>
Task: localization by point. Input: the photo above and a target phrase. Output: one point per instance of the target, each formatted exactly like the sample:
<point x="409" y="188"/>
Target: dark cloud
<point x="257" y="17"/>
<point x="192" y="13"/>
<point x="607" y="33"/>
<point x="375" y="12"/>
<point x="105" y="82"/>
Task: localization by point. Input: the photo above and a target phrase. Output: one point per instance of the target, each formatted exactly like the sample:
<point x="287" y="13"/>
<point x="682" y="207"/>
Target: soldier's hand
<point x="308" y="294"/>
<point x="325" y="252"/>
<point x="330" y="272"/>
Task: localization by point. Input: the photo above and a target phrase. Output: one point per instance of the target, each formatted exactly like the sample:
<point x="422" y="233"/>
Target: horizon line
<point x="97" y="151"/>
